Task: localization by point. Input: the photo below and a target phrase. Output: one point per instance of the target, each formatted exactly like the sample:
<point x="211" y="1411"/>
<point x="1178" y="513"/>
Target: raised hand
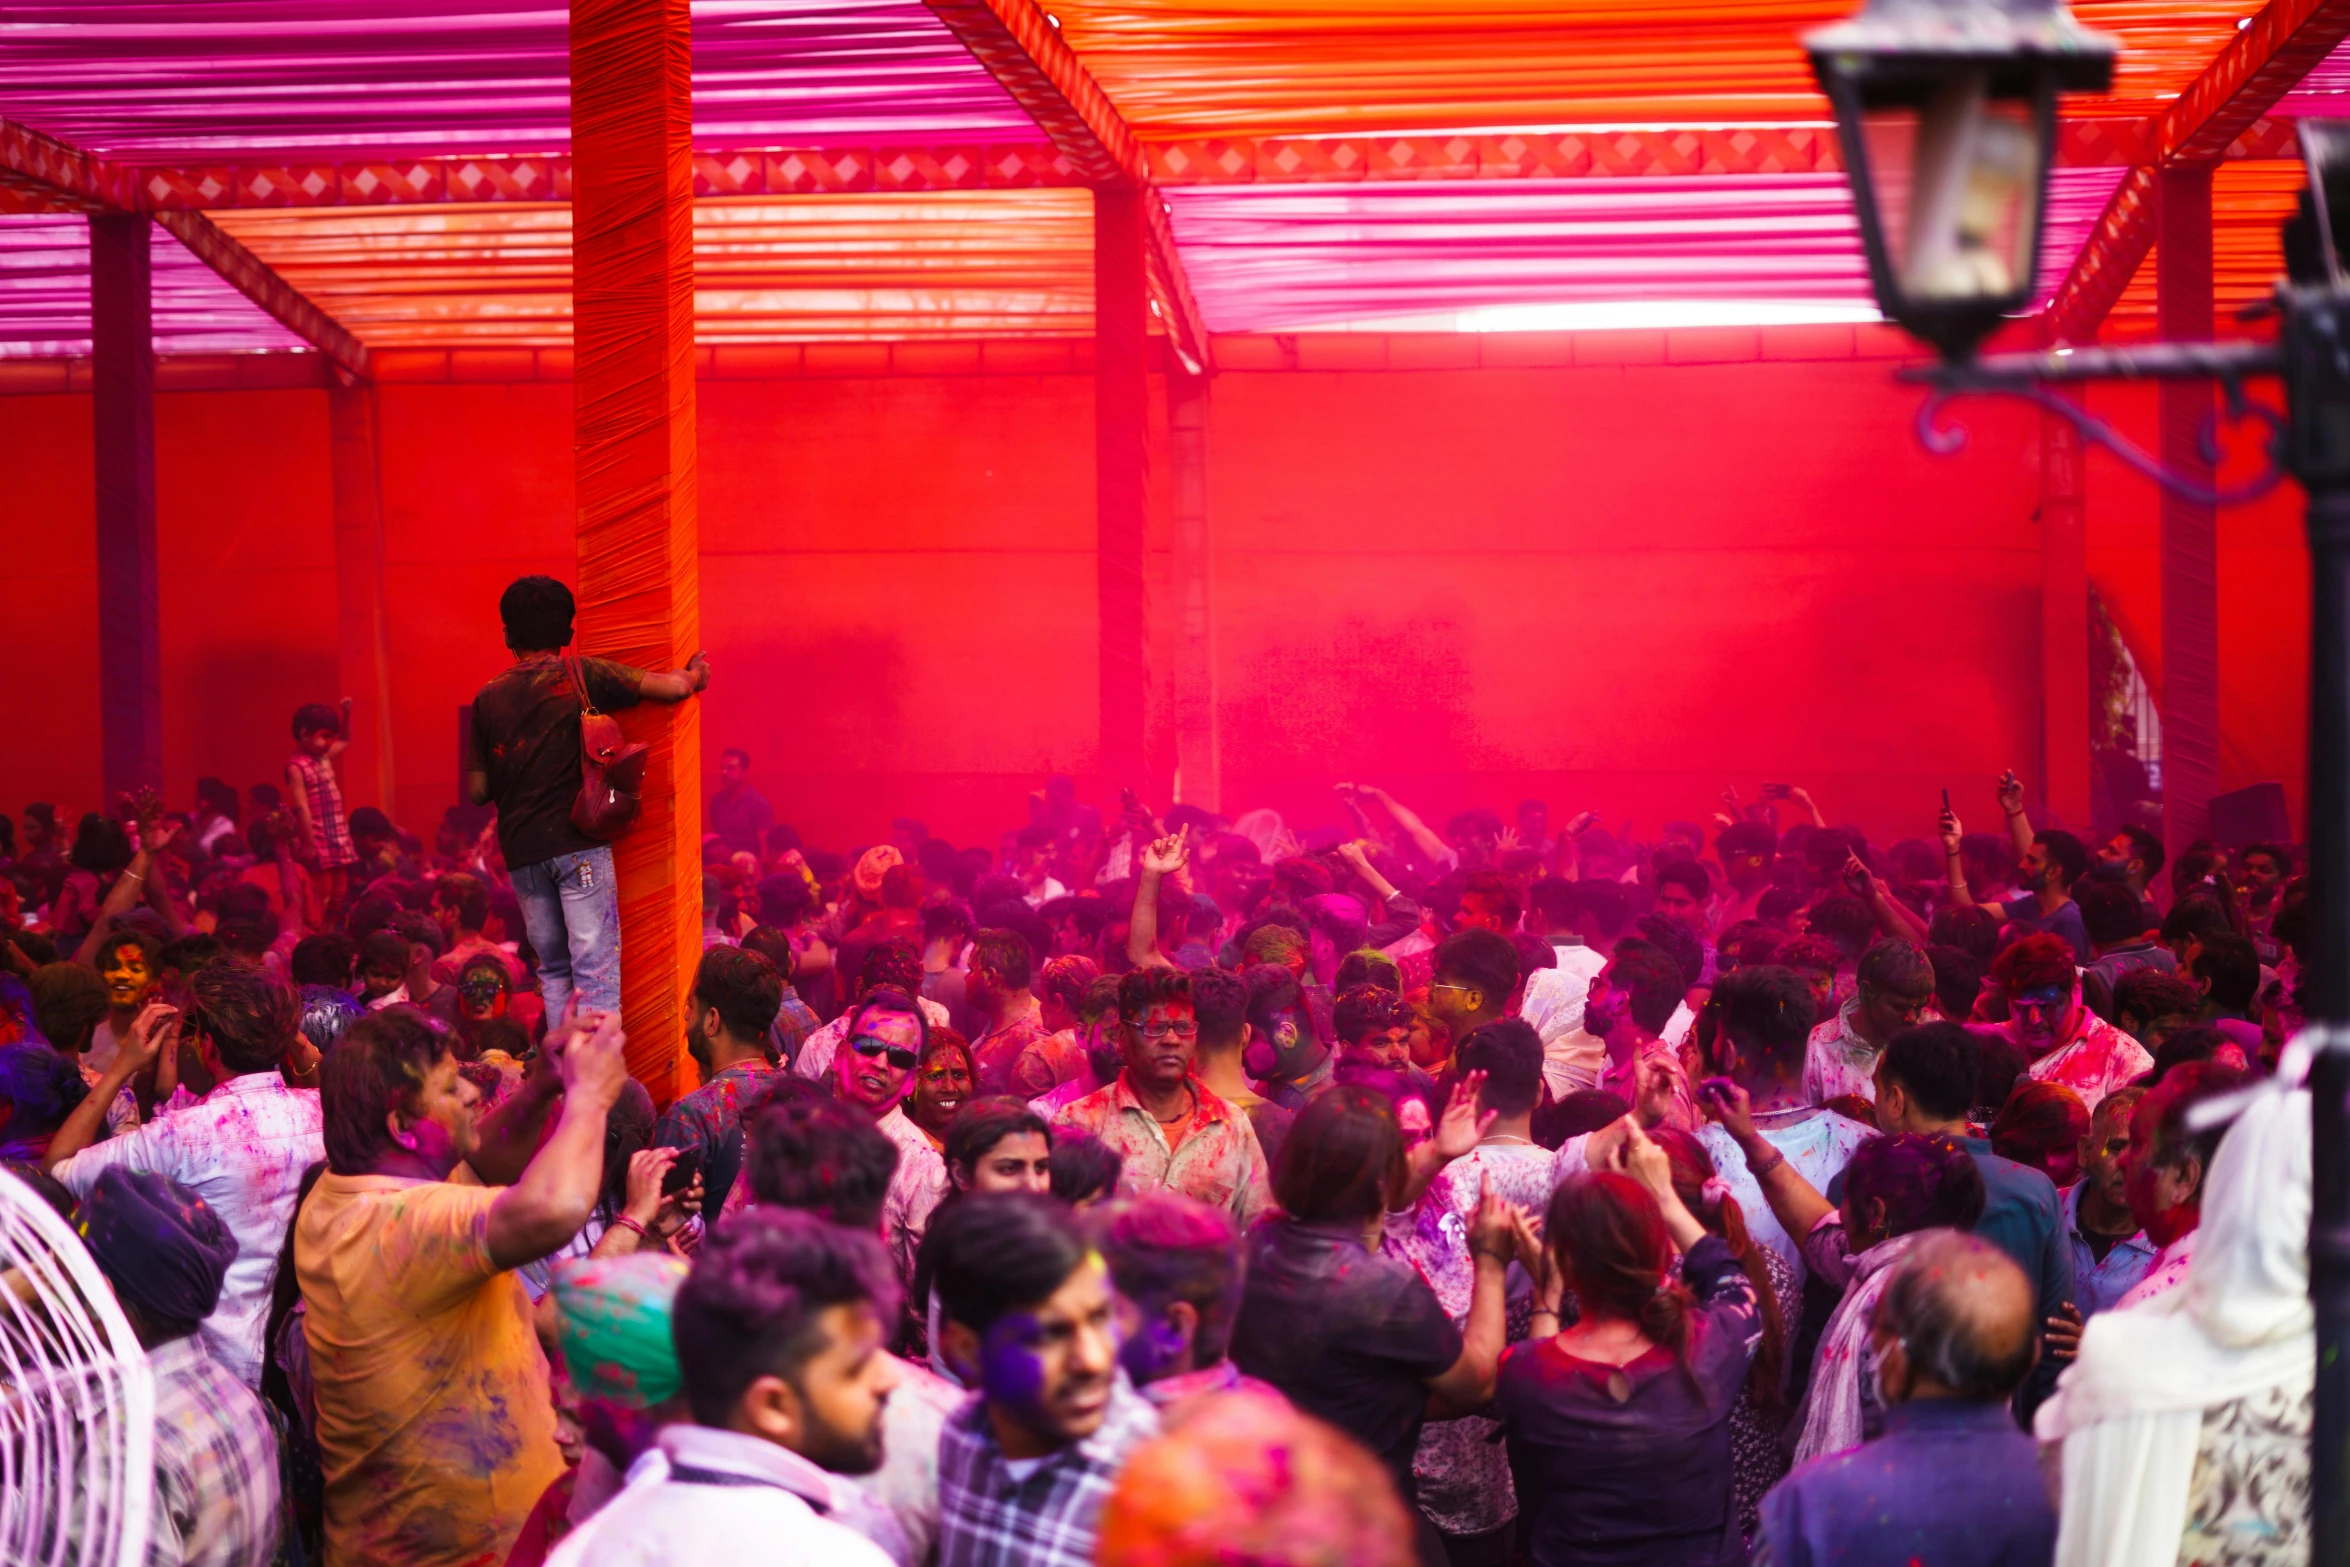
<point x="2011" y="792"/>
<point x="1165" y="856"/>
<point x="594" y="1061"/>
<point x="1640" y="1158"/>
<point x="155" y="1030"/>
<point x="647" y="1169"/>
<point x="1951" y="830"/>
<point x="1729" y="1104"/>
<point x="1493" y="1227"/>
<point x="1462" y="1126"/>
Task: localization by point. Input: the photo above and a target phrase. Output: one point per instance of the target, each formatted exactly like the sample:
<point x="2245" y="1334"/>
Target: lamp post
<point x="1945" y="110"/>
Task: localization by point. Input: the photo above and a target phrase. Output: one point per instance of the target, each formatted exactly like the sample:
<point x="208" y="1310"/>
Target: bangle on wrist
<point x="1758" y="1171"/>
<point x="624" y="1222"/>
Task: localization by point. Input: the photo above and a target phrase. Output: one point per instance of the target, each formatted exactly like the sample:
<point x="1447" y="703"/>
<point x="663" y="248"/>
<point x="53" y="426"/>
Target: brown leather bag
<point x="611" y="770"/>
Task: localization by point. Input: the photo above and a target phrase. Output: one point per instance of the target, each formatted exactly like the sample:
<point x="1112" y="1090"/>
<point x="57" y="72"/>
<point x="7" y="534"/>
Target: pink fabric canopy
<point x="1266" y="258"/>
<point x="296" y="79"/>
<point x="45" y="280"/>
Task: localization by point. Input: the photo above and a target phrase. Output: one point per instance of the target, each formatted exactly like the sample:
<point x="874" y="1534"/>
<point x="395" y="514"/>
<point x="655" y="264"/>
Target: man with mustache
<point x="1171" y="1129"/>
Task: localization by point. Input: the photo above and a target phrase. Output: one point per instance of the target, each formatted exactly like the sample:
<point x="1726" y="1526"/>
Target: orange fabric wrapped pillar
<point x="361" y="656"/>
<point x="632" y="286"/>
<point x="1121" y="411"/>
<point x="2190" y="529"/>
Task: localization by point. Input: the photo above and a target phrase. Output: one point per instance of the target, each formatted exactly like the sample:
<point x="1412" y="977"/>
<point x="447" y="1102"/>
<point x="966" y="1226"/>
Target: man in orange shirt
<point x="434" y="1423"/>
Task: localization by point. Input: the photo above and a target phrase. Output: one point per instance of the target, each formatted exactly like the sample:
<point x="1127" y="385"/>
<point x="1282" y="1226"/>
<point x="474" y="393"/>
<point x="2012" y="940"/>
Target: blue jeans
<point x="571" y="908"/>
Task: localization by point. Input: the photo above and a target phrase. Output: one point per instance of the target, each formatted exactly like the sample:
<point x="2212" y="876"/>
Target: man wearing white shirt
<point x="780" y="1331"/>
<point x="242" y="1148"/>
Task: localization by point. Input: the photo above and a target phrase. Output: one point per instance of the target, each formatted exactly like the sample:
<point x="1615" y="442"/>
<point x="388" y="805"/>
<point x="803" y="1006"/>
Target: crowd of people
<point x="1153" y="1187"/>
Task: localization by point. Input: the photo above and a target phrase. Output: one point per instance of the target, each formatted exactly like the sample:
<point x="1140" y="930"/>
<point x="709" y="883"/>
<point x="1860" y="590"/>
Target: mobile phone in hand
<point x="683" y="1173"/>
<point x="1777" y="791"/>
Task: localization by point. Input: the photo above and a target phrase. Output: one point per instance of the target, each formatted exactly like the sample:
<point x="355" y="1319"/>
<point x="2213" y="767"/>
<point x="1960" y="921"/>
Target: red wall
<point x="1619" y="583"/>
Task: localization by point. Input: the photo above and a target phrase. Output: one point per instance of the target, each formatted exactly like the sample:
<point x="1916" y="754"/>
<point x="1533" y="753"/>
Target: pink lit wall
<point x="1619" y="571"/>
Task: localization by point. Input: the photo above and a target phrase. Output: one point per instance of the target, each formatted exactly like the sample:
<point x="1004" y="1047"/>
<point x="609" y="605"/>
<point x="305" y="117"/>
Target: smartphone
<point x="1946" y="802"/>
<point x="683" y="1173"/>
<point x="1772" y="791"/>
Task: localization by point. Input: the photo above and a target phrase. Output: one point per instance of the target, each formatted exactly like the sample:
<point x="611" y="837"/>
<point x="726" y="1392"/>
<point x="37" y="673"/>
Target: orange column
<point x="639" y="588"/>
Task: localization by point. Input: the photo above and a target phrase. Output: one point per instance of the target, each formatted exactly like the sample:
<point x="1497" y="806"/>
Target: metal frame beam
<point x="40" y="173"/>
<point x="2223" y="105"/>
<point x="1023" y="49"/>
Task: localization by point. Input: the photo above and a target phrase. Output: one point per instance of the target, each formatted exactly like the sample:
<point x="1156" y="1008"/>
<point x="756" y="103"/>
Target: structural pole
<point x="361" y="642"/>
<point x="2190" y="533"/>
<point x="1121" y="403"/>
<point x="633" y="400"/>
<point x="2064" y="625"/>
<point x="130" y="634"/>
<point x="1199" y="762"/>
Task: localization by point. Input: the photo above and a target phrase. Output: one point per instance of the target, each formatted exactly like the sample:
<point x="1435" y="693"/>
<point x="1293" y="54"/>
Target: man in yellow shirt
<point x="434" y="1424"/>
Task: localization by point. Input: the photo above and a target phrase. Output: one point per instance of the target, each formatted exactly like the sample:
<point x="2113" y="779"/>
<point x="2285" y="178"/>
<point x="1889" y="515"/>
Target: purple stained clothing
<point x="1345" y="1334"/>
<point x="709" y="1123"/>
<point x="1949" y="1484"/>
<point x="1645" y="1477"/>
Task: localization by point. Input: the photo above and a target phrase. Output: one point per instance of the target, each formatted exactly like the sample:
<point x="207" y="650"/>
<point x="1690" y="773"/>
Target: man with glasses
<point x="1894" y="985"/>
<point x="885" y="1041"/>
<point x="1173" y="1132"/>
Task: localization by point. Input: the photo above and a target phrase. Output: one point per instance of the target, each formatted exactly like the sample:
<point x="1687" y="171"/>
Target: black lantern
<point x="1946" y="110"/>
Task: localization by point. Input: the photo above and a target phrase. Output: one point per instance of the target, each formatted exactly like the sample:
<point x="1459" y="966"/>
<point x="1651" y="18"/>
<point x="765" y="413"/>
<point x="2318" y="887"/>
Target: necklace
<point x="1504" y="1137"/>
<point x="1190" y="1103"/>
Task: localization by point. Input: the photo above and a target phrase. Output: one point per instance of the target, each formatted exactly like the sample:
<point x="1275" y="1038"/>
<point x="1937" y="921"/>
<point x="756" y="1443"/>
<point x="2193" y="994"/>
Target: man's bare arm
<point x="675" y="685"/>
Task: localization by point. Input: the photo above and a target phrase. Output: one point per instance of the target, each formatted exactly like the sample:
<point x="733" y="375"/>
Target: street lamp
<point x="1946" y="113"/>
<point x="1946" y="110"/>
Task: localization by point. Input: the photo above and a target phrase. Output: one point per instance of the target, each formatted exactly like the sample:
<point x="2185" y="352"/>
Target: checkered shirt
<point x="988" y="1519"/>
<point x="216" y="1492"/>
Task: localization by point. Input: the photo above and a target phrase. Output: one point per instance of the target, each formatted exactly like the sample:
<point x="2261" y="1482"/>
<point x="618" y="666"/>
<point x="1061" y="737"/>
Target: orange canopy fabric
<point x="767" y="269"/>
<point x="1179" y="68"/>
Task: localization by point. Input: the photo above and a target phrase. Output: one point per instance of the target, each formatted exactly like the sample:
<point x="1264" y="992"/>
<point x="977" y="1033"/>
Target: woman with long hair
<point x="1346" y="1333"/>
<point x="1757" y="1461"/>
<point x="1619" y="1422"/>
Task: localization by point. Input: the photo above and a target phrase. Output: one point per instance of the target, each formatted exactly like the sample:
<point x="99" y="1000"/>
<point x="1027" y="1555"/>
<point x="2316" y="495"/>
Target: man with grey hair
<point x="1951" y="1481"/>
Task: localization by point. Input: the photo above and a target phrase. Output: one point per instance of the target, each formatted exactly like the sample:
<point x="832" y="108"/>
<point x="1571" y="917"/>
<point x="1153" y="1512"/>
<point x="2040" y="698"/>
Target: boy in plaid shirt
<point x="1026" y="1307"/>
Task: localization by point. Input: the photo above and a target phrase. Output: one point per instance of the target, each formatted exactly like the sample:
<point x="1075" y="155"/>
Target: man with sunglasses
<point x="885" y="1041"/>
<point x="1894" y="987"/>
<point x="1173" y="1132"/>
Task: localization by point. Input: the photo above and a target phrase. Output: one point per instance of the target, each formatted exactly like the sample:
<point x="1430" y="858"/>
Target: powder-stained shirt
<point x="434" y="1427"/>
<point x="917" y="1188"/>
<point x="1049" y="1061"/>
<point x="525" y="738"/>
<point x="795" y="1020"/>
<point x="709" y="1122"/>
<point x="243" y="1149"/>
<point x="2095" y="1059"/>
<point x="1819" y="1143"/>
<point x="1460" y="1466"/>
<point x="330" y="829"/>
<point x="1219" y="1161"/>
<point x="2099" y="1283"/>
<point x="1837" y="1061"/>
<point x="991" y="1515"/>
<point x="997" y="1051"/>
<point x="216" y="1483"/>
